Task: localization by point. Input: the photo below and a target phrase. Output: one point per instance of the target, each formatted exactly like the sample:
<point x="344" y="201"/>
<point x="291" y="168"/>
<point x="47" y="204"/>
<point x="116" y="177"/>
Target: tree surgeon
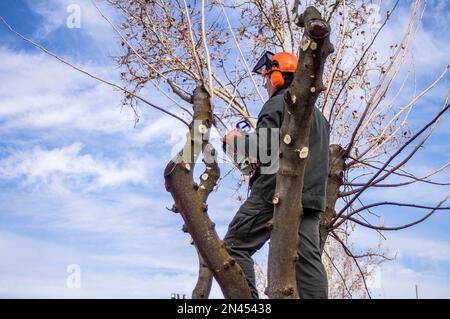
<point x="250" y="228"/>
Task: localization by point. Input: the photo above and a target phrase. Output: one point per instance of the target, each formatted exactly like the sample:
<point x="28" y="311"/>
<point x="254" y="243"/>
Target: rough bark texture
<point x="189" y="202"/>
<point x="335" y="176"/>
<point x="205" y="276"/>
<point x="204" y="281"/>
<point x="300" y="99"/>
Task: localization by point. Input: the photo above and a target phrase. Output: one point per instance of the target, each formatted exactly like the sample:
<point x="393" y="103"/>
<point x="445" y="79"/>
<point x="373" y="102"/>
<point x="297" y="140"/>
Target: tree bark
<point x="205" y="276"/>
<point x="335" y="176"/>
<point x="300" y="99"/>
<point x="204" y="282"/>
<point x="190" y="202"/>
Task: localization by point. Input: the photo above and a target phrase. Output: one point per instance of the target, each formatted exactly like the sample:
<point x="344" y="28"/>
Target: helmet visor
<point x="264" y="63"/>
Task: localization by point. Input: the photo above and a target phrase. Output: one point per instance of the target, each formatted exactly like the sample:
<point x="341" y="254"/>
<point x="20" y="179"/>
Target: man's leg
<point x="312" y="280"/>
<point x="247" y="233"/>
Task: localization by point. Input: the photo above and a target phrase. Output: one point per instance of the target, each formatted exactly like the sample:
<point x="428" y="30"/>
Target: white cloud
<point x="37" y="269"/>
<point x="55" y="14"/>
<point x="406" y="244"/>
<point x="430" y="52"/>
<point x="41" y="93"/>
<point x="398" y="281"/>
<point x="127" y="244"/>
<point x="418" y="259"/>
<point x="67" y="167"/>
<point x="419" y="193"/>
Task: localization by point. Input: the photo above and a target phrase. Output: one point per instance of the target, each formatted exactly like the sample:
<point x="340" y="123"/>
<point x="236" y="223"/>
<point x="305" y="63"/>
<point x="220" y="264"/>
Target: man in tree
<point x="250" y="228"/>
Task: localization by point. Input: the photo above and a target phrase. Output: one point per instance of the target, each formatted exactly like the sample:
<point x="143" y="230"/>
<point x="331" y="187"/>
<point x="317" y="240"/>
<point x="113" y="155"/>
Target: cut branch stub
<point x="202" y="129"/>
<point x="303" y="153"/>
<point x="269" y="224"/>
<point x="289" y="98"/>
<point x="276" y="199"/>
<point x="314" y="25"/>
<point x="287" y="139"/>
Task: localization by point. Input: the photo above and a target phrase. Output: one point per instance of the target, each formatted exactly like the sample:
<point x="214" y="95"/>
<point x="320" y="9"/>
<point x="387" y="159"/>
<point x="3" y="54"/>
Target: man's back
<point x="316" y="173"/>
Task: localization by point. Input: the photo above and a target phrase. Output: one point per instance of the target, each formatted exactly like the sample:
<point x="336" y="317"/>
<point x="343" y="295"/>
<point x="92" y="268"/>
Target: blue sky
<point x="79" y="184"/>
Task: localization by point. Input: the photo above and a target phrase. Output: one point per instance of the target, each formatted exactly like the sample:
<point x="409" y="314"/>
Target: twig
<point x="194" y="47"/>
<point x="397" y="227"/>
<point x="360" y="60"/>
<point x="339" y="273"/>
<point x="208" y="59"/>
<point x="140" y="57"/>
<point x="91" y="75"/>
<point x="350" y="254"/>
<point x="432" y="122"/>
<point x="240" y="52"/>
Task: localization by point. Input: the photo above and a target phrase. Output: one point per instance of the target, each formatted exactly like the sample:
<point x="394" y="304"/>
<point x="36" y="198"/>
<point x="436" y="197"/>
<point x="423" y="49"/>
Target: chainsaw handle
<point x="243" y="126"/>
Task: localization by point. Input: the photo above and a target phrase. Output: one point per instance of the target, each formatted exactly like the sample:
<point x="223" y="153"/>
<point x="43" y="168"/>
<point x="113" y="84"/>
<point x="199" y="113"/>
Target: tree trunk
<point x="294" y="134"/>
<point x="337" y="167"/>
<point x="189" y="201"/>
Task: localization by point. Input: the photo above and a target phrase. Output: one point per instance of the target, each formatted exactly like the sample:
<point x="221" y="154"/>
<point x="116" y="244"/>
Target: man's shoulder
<point x="320" y="118"/>
<point x="274" y="104"/>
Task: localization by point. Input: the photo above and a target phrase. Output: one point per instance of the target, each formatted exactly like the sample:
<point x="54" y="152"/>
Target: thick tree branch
<point x="189" y="201"/>
<point x="208" y="180"/>
<point x="298" y="110"/>
<point x="335" y="179"/>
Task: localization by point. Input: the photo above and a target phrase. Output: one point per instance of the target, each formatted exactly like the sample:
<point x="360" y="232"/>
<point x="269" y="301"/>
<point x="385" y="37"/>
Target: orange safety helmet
<point x="276" y="64"/>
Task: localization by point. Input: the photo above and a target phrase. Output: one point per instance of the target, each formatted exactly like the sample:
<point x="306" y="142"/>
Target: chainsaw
<point x="240" y="160"/>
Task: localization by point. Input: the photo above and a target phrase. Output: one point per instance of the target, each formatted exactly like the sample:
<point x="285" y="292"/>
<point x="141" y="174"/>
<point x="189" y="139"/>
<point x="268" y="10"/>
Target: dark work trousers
<point x="248" y="232"/>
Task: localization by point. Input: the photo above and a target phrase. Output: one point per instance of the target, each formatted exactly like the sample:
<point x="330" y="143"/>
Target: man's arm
<point x="270" y="118"/>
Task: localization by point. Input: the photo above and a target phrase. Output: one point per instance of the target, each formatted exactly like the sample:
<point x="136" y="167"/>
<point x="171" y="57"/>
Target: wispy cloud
<point x="65" y="167"/>
<point x="55" y="14"/>
<point x="398" y="281"/>
<point x="34" y="268"/>
<point x="80" y="184"/>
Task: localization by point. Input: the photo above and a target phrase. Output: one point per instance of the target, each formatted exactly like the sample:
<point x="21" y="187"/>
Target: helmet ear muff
<point x="276" y="79"/>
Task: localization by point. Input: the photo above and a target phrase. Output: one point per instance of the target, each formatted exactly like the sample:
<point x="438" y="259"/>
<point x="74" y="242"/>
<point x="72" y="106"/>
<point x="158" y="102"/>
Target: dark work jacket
<point x="316" y="173"/>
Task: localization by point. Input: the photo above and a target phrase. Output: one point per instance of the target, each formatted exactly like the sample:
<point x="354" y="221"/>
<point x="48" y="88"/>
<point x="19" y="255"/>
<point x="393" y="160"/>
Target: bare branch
<point x="398" y="227"/>
<point x="432" y="122"/>
<point x="91" y="75"/>
<point x="349" y="253"/>
<point x="362" y="57"/>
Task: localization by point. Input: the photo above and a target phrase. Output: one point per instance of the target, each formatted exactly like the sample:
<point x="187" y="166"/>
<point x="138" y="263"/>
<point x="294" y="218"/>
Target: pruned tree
<point x="190" y="199"/>
<point x="300" y="100"/>
<point x="199" y="53"/>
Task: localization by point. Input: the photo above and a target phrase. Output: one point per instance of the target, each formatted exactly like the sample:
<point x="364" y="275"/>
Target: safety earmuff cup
<point x="277" y="79"/>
